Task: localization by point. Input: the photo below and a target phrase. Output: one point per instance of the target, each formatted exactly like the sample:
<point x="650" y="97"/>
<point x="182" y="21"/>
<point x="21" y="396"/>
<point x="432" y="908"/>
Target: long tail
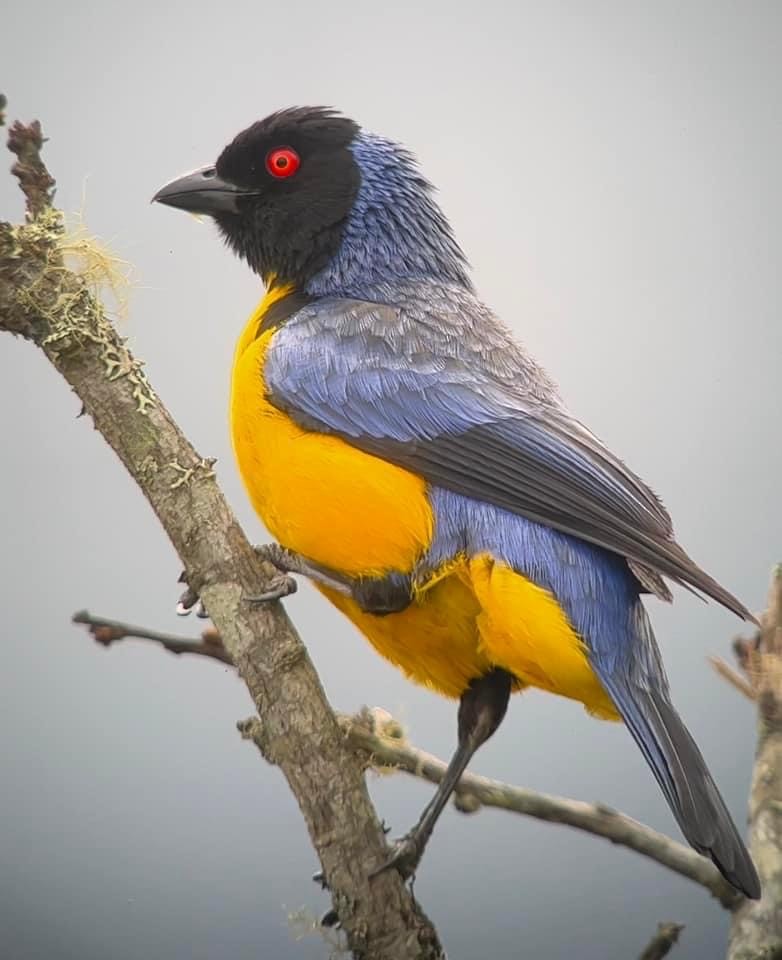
<point x="681" y="771"/>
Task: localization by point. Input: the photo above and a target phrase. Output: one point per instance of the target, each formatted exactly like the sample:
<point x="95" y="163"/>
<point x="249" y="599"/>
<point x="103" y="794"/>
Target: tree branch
<point x="107" y="632"/>
<point x="379" y="737"/>
<point x="756" y="929"/>
<point x="380" y="740"/>
<point x="52" y="306"/>
<point x="662" y="942"/>
<point x="476" y="791"/>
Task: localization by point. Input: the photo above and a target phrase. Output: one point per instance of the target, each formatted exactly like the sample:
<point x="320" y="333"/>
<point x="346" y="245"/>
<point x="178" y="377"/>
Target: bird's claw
<point x="405" y="856"/>
<point x="189" y="602"/>
<point x="281" y="585"/>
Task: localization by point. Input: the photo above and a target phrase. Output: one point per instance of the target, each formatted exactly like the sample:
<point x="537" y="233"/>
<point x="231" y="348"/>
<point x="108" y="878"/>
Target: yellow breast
<point x="317" y="495"/>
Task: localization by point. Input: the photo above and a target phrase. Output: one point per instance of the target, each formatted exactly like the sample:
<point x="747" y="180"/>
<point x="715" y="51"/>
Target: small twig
<point x="35" y="181"/>
<point x="376" y="733"/>
<point x="734" y="678"/>
<point x="663" y="941"/>
<point x="107" y="632"/>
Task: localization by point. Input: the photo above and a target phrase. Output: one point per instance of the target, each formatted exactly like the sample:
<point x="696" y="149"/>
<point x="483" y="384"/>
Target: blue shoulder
<point x="362" y="368"/>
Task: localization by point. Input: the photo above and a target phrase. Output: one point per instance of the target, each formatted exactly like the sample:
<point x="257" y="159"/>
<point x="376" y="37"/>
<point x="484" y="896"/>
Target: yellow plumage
<point x="362" y="516"/>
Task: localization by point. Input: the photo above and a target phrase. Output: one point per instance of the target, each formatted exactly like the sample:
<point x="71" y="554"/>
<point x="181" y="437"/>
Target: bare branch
<point x="380" y="738"/>
<point x="476" y="791"/>
<point x="734" y="678"/>
<point x="107" y="632"/>
<point x="52" y="306"/>
<point x="376" y="735"/>
<point x="662" y="942"/>
<point x="756" y="929"/>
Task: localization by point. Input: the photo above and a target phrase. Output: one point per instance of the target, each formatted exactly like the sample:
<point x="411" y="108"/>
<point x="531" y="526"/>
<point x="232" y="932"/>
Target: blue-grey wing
<point x="456" y="401"/>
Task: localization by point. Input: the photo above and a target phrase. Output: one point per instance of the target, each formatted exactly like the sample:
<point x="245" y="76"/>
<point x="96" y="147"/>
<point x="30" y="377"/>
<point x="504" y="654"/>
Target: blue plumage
<point x="394" y="354"/>
<point x="595" y="588"/>
<point x="394" y="228"/>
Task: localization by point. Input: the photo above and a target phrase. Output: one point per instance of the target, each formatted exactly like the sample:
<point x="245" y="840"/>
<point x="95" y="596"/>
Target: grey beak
<point x="201" y="191"/>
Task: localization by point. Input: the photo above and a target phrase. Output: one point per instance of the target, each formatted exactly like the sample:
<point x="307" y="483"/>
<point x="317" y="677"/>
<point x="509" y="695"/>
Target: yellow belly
<point x="484" y="615"/>
<point x="316" y="494"/>
<point x="435" y="641"/>
<point x="362" y="516"/>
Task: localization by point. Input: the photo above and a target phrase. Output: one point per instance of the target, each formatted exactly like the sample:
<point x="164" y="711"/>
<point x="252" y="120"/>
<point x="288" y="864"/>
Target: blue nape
<point x="395" y="229"/>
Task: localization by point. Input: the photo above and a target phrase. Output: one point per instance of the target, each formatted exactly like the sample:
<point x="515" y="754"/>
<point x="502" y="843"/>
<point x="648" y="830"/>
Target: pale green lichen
<point x="148" y="468"/>
<point x="46" y="228"/>
<point x="67" y="295"/>
<point x="105" y="274"/>
<point x="201" y="470"/>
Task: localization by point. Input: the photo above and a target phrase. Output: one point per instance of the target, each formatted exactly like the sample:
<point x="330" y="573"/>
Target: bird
<point x="414" y="461"/>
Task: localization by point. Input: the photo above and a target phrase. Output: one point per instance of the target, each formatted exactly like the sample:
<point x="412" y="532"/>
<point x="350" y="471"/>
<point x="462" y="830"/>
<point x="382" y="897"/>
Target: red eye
<point x="282" y="162"/>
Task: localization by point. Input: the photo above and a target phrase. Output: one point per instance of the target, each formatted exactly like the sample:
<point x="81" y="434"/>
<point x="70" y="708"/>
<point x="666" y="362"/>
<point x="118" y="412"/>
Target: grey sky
<point x="612" y="170"/>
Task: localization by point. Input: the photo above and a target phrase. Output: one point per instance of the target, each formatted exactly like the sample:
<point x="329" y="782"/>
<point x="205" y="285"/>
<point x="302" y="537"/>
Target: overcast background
<point x="612" y="170"/>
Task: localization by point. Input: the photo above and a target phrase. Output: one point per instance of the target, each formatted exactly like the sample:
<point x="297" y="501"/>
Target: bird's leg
<point x="481" y="709"/>
<point x="281" y="584"/>
<point x="378" y="595"/>
<point x="288" y="562"/>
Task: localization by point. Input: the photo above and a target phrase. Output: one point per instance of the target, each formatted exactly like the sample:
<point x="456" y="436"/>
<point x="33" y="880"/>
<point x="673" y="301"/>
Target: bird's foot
<point x="406" y="853"/>
<point x="287" y="562"/>
<point x="190" y="601"/>
<point x="282" y="583"/>
<point x="279" y="586"/>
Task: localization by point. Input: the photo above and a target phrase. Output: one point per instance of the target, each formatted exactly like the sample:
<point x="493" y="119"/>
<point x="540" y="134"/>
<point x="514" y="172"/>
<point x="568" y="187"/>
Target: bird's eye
<point x="282" y="162"/>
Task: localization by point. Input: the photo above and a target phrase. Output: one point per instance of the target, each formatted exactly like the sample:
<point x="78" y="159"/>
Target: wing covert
<point x="463" y="406"/>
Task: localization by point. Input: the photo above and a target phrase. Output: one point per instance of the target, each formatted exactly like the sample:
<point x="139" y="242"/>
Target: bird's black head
<point x="280" y="192"/>
<point x="308" y="198"/>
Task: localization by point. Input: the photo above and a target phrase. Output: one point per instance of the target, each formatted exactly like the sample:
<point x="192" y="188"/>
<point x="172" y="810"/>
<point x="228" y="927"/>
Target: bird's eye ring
<point x="282" y="162"/>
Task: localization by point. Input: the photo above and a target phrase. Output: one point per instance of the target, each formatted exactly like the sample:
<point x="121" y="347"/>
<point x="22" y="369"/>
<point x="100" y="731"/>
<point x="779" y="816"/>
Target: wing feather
<point x="430" y="392"/>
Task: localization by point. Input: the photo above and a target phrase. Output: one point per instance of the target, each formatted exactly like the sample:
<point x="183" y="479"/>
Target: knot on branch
<point x="381" y="723"/>
<point x="369" y="731"/>
<point x="466" y="802"/>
